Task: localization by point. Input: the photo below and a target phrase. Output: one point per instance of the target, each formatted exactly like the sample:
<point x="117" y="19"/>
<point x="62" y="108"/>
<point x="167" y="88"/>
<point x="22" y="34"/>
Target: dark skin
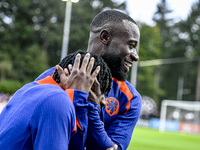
<point x="120" y="45"/>
<point x="83" y="74"/>
<point x="95" y="94"/>
<point x="123" y="44"/>
<point x="79" y="78"/>
<point x="83" y="78"/>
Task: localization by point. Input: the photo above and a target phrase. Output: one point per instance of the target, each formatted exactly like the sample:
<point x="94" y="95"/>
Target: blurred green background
<point x="31" y="33"/>
<point x="149" y="139"/>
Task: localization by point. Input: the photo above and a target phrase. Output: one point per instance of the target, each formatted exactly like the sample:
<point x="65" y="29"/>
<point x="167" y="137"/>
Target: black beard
<point x="116" y="66"/>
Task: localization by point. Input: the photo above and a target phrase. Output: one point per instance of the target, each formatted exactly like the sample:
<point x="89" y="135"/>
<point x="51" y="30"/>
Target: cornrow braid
<point x="104" y="77"/>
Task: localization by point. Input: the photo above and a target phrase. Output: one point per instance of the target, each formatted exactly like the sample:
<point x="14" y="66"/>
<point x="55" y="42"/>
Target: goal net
<point x="183" y="116"/>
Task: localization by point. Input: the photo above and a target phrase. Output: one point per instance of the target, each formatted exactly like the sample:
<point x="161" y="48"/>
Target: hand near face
<point x="79" y="77"/>
<point x="95" y="94"/>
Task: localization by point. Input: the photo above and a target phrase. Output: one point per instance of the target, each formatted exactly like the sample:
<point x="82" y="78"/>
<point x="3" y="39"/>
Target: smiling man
<point x="114" y="36"/>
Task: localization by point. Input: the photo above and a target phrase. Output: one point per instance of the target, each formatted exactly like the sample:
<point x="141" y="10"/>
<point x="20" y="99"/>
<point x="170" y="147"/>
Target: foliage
<point x="175" y="40"/>
<point x="10" y="86"/>
<point x="31" y="33"/>
<point x="23" y="34"/>
<point x="150" y="47"/>
<point x="82" y="14"/>
<point x="185" y="43"/>
<point x="5" y="65"/>
<point x="163" y="22"/>
<point x="150" y="42"/>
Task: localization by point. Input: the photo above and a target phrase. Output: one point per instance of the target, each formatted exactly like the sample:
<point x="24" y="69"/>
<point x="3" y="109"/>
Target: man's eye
<point x="131" y="46"/>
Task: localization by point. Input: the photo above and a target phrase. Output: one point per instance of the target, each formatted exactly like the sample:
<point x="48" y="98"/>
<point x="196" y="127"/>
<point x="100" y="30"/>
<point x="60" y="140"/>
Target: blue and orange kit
<point x="43" y="116"/>
<point x="112" y="124"/>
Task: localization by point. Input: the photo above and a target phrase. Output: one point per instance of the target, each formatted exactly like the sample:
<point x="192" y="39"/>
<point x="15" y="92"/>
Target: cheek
<point x="118" y="49"/>
<point x="123" y="50"/>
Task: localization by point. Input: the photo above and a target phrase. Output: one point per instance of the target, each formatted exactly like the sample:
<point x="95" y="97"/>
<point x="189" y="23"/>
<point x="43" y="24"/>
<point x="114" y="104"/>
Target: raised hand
<point x="95" y="94"/>
<point x="79" y="77"/>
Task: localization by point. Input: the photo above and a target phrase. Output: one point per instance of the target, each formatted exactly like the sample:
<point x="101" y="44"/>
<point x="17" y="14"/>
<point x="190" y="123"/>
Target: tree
<point x="186" y="43"/>
<point x="150" y="48"/>
<point x="31" y="33"/>
<point x="82" y="14"/>
<point x="163" y="22"/>
<point x="22" y="29"/>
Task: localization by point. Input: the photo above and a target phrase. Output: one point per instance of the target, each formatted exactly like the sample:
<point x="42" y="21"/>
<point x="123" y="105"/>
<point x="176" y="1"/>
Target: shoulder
<point x="54" y="93"/>
<point x="127" y="95"/>
<point x="48" y="96"/>
<point x="133" y="90"/>
<point x="54" y="110"/>
<point x="53" y="101"/>
<point x="126" y="88"/>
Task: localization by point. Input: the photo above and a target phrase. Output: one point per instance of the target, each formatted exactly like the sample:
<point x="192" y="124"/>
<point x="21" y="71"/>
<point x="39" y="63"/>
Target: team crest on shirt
<point x="112" y="106"/>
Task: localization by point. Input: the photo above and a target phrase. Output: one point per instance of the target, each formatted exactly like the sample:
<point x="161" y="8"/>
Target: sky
<point x="143" y="10"/>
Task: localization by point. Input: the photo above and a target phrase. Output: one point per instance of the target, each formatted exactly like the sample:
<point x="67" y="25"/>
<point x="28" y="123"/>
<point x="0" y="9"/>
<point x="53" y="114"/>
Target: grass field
<point x="149" y="139"/>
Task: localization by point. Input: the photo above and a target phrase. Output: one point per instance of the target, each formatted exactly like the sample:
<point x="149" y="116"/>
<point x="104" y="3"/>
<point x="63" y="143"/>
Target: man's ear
<point x="105" y="36"/>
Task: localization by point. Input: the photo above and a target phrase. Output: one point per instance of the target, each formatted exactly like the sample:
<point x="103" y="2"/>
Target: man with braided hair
<point x="104" y="74"/>
<point x="114" y="36"/>
<point x="44" y="114"/>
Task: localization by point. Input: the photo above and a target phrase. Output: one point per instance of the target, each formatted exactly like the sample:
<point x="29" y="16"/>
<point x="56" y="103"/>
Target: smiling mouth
<point x="127" y="65"/>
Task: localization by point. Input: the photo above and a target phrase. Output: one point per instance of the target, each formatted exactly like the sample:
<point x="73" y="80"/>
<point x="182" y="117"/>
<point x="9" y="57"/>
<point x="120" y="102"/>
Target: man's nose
<point x="134" y="55"/>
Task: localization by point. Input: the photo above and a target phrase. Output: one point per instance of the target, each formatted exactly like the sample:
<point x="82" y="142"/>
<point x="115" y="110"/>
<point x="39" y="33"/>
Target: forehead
<point x="130" y="30"/>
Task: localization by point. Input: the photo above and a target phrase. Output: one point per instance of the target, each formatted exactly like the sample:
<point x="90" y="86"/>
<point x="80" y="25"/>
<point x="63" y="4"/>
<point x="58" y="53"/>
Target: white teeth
<point x="129" y="65"/>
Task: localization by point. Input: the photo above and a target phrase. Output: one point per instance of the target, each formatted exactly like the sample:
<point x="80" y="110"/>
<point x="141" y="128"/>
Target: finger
<point x="92" y="96"/>
<point x="59" y="69"/>
<point x="103" y="100"/>
<point x="90" y="66"/>
<point x="66" y="72"/>
<point x="70" y="68"/>
<point x="96" y="71"/>
<point x="77" y="62"/>
<point x="97" y="89"/>
<point x="85" y="62"/>
<point x="61" y="73"/>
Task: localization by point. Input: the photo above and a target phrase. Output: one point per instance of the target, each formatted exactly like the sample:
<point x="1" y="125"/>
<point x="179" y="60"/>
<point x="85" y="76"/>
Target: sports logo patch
<point x="112" y="106"/>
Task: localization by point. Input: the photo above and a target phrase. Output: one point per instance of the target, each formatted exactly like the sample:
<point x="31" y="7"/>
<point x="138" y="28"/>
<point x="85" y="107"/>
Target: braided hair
<point x="104" y="77"/>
